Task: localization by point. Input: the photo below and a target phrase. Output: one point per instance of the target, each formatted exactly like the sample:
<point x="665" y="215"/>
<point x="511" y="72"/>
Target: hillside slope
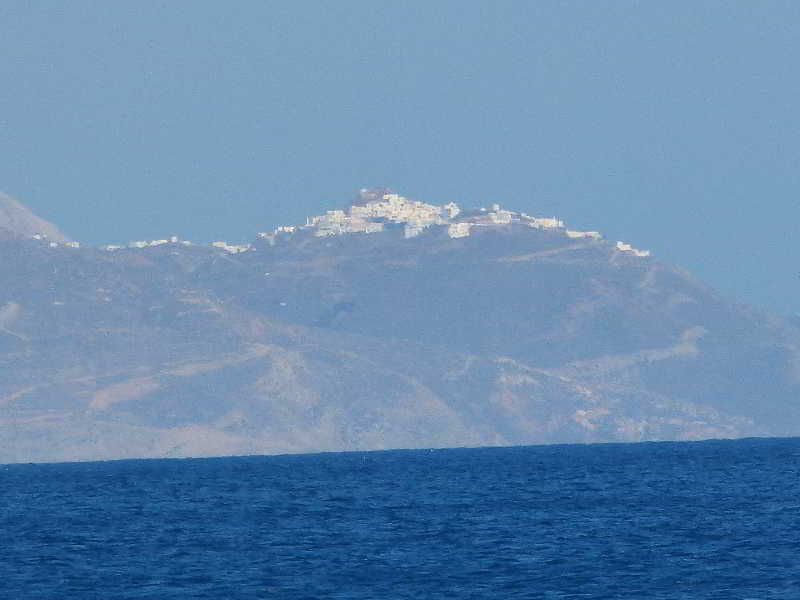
<point x="17" y="221"/>
<point x="308" y="340"/>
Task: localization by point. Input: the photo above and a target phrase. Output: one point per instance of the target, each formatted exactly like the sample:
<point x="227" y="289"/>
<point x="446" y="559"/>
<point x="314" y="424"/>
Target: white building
<point x="499" y="216"/>
<point x="595" y="235"/>
<point x="545" y="223"/>
<point x="623" y="247"/>
<point x="451" y="210"/>
<point x="232" y="248"/>
<point x="378" y="207"/>
<point x="458" y="230"/>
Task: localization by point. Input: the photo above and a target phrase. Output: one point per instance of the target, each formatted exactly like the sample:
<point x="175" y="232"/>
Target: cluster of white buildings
<point x="232" y="248"/>
<point x="148" y="244"/>
<point x="377" y="210"/>
<point x="43" y="237"/>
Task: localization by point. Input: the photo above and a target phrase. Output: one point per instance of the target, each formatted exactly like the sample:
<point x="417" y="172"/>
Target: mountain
<point x="16" y="220"/>
<point x="387" y="324"/>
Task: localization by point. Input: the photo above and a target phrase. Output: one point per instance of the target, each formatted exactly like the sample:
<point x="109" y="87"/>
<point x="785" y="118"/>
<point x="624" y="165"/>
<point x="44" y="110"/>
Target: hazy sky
<point x="671" y="125"/>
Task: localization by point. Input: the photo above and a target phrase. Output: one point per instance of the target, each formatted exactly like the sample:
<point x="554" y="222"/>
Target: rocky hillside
<point x="17" y="221"/>
<point x="388" y="324"/>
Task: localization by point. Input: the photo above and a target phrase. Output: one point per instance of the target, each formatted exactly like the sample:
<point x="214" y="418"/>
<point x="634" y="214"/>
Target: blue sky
<point x="672" y="125"/>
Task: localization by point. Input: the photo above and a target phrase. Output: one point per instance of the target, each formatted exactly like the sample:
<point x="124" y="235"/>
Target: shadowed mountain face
<point x="17" y="221"/>
<point x="510" y="335"/>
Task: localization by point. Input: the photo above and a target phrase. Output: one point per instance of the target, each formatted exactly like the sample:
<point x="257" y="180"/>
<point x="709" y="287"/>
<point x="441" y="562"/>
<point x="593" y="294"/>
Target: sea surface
<point x="717" y="519"/>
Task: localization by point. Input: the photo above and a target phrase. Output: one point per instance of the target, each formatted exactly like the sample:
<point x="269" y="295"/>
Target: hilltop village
<point x="376" y="210"/>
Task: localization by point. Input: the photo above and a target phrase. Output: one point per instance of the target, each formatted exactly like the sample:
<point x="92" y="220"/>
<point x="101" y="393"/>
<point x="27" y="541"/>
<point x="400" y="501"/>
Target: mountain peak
<point x="17" y="220"/>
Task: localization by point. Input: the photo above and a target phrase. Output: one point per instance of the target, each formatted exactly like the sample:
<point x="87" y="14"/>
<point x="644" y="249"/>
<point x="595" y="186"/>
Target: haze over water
<point x="707" y="520"/>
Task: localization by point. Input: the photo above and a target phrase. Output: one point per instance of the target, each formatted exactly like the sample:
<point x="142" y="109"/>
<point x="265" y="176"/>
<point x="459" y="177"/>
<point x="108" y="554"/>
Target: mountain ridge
<point x="391" y="323"/>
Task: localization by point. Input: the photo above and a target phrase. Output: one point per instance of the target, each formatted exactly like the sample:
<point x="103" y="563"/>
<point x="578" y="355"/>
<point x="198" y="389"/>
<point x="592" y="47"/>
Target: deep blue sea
<point x="717" y="519"/>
